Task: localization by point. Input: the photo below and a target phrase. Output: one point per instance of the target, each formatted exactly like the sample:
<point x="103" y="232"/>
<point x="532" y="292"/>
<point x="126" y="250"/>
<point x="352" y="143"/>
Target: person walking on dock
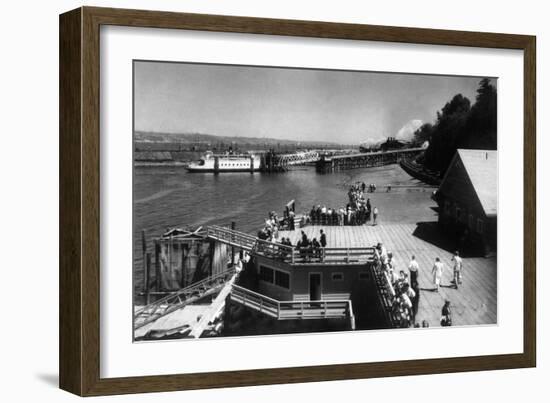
<point x="446" y="319"/>
<point x="413" y="269"/>
<point x="374" y="215"/>
<point x="457" y="269"/>
<point x="437" y="272"/>
<point x="323" y="241"/>
<point x="323" y="238"/>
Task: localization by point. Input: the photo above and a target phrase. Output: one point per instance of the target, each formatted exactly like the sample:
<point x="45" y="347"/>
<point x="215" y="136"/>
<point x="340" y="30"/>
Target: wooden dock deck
<point x="474" y="303"/>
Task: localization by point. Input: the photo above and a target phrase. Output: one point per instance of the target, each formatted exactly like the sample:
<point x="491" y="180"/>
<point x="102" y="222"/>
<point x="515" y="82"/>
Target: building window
<point x="271" y="276"/>
<point x="471" y="221"/>
<point x="337" y="276"/>
<point x="282" y="279"/>
<point x="447" y="207"/>
<point x="364" y="275"/>
<point x="266" y="274"/>
<point x="479" y="226"/>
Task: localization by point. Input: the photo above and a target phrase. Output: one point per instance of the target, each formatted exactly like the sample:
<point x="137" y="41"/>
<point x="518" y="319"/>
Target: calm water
<point x="171" y="197"/>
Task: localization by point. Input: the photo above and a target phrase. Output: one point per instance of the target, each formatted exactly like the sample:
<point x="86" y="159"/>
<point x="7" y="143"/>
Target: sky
<point x="347" y="107"/>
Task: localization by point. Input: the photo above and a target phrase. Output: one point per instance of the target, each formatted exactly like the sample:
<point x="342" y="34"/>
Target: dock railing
<point x="333" y="255"/>
<point x="290" y="254"/>
<point x="287" y="310"/>
<point x="274" y="250"/>
<point x="231" y="237"/>
<point x="300" y="256"/>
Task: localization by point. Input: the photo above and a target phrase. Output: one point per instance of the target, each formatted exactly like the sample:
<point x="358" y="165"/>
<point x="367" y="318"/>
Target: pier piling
<point x="157" y="267"/>
<point x="233" y="226"/>
<point x="146" y="276"/>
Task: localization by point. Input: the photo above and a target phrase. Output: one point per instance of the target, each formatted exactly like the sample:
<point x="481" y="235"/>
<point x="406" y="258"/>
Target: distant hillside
<point x="194" y="138"/>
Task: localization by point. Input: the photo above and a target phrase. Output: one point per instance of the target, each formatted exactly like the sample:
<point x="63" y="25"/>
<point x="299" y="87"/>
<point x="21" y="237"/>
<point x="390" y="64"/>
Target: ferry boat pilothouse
<point x="228" y="162"/>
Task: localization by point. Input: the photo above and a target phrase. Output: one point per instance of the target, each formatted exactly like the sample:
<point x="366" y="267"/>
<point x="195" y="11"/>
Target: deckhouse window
<point x="277" y="277"/>
<point x="282" y="279"/>
<point x="337" y="276"/>
<point x="266" y="274"/>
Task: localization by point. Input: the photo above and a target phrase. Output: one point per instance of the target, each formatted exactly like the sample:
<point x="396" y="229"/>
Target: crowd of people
<point x="406" y="290"/>
<point x="270" y="231"/>
<point x="308" y="249"/>
<point x="358" y="210"/>
<point x="312" y="250"/>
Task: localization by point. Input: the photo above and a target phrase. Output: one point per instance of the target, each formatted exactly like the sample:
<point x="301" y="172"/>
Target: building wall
<point x="460" y="213"/>
<point x="470" y="228"/>
<point x="183" y="262"/>
<point x="338" y="282"/>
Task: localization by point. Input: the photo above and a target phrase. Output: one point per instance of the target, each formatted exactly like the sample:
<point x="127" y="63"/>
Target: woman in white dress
<point x="437" y="272"/>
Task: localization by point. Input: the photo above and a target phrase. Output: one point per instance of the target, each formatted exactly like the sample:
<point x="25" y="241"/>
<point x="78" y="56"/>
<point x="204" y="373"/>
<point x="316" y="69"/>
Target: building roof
<point x="481" y="168"/>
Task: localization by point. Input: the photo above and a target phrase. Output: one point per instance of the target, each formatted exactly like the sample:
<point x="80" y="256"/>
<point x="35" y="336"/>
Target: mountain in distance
<point x="194" y="138"/>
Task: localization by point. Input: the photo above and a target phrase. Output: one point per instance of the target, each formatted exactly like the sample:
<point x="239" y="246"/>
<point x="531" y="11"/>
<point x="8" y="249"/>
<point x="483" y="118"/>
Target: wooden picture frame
<point x="79" y="346"/>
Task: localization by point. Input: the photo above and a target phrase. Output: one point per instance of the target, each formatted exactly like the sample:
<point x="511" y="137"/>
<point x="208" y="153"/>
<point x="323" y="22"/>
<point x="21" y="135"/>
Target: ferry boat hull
<point x="212" y="170"/>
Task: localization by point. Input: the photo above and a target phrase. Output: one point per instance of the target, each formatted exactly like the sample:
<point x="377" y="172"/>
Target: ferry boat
<point x="228" y="162"/>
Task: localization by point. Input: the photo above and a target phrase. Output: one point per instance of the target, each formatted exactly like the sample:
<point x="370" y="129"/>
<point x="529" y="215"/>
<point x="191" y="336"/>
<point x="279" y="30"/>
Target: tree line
<point x="460" y="125"/>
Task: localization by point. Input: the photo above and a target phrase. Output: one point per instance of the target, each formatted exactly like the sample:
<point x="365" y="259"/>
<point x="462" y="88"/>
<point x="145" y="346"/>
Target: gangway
<point x="231" y="237"/>
<point x="298" y="158"/>
<point x="180" y="299"/>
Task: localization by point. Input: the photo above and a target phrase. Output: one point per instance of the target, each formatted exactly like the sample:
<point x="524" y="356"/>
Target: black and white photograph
<point x="275" y="200"/>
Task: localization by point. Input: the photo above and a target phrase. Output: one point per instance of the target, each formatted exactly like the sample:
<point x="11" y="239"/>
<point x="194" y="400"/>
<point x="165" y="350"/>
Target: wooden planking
<point x="474" y="303"/>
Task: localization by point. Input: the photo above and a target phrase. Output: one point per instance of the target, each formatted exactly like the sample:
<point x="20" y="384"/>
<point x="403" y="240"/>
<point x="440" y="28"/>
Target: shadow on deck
<point x="431" y="233"/>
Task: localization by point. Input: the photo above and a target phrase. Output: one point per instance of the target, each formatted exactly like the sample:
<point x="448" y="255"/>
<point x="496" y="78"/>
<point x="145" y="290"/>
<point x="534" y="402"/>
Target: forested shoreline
<point x="460" y="124"/>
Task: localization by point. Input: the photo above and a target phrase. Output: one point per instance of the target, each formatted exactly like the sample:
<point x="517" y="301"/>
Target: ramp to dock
<point x="231" y="237"/>
<point x="179" y="299"/>
<point x="217" y="305"/>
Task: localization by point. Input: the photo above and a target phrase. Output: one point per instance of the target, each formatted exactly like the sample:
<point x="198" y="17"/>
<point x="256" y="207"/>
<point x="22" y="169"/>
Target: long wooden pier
<point x="329" y="164"/>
